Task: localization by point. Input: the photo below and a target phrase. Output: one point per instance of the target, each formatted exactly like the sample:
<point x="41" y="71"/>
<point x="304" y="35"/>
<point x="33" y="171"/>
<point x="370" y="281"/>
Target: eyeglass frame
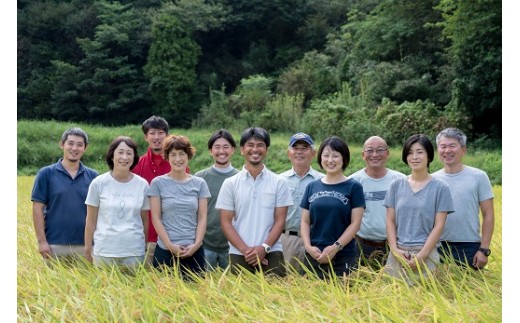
<point x="378" y="151"/>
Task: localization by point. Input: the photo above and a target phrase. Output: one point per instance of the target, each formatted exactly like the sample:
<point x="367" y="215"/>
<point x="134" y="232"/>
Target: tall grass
<point x="45" y="136"/>
<point x="79" y="292"/>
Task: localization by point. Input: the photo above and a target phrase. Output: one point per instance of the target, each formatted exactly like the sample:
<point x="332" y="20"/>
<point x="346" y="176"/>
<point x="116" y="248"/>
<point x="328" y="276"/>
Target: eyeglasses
<point x="378" y="151"/>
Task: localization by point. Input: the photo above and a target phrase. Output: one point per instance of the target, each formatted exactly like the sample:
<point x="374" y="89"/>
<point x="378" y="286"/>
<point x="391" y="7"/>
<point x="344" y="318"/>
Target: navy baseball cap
<point x="300" y="136"/>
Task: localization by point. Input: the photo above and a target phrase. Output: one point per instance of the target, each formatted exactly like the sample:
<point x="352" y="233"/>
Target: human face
<point x="417" y="157"/>
<point x="254" y="151"/>
<point x="154" y="138"/>
<point x="178" y="159"/>
<point x="331" y="160"/>
<point x="450" y="151"/>
<point x="73" y="148"/>
<point x="123" y="157"/>
<point x="222" y="151"/>
<point x="375" y="153"/>
<point x="301" y="154"/>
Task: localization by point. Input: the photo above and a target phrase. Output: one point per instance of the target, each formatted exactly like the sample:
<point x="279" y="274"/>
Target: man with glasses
<point x="301" y="152"/>
<point x="221" y="146"/>
<point x="376" y="180"/>
<point x="472" y="193"/>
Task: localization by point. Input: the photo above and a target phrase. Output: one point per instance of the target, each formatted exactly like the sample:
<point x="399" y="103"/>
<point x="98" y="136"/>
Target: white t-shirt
<point x="119" y="229"/>
<point x="373" y="223"/>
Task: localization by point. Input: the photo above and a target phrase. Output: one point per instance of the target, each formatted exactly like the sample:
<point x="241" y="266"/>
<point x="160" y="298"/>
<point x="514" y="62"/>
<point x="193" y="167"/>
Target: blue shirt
<point x="64" y="198"/>
<point x="330" y="207"/>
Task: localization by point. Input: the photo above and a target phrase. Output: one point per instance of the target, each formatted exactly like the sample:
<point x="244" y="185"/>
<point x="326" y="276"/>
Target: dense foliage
<point x="281" y="64"/>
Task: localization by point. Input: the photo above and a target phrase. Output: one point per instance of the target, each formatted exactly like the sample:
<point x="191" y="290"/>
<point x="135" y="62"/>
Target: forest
<point x="348" y="67"/>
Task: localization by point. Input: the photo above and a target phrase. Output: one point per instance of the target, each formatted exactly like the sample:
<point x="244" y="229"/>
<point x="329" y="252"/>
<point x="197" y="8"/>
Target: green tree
<point x="475" y="54"/>
<point x="172" y="60"/>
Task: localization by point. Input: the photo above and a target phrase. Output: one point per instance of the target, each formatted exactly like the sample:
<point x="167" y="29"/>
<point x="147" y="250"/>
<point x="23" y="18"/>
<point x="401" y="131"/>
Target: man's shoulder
<point x="202" y="172"/>
<point x="395" y="173"/>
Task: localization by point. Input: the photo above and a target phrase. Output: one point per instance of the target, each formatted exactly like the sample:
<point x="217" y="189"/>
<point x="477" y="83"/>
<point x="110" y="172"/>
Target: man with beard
<point x="221" y="146"/>
<point x="253" y="206"/>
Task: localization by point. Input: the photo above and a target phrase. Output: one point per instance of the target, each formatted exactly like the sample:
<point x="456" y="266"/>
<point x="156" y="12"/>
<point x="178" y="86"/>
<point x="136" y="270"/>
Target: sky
<point x="510" y="73"/>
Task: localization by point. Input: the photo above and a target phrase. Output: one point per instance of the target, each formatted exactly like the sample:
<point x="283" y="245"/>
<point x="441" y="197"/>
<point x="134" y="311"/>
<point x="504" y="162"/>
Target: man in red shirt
<point x="151" y="165"/>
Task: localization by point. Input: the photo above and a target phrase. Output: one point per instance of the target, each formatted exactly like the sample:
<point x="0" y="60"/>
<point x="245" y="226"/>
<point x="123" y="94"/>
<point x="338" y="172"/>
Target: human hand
<point x="45" y="249"/>
<point x="479" y="260"/>
<point x="188" y="251"/>
<point x="327" y="254"/>
<point x="255" y="256"/>
<point x="88" y="254"/>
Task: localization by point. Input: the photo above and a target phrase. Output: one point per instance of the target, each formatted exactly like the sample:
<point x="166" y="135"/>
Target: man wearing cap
<point x="301" y="152"/>
<point x="376" y="180"/>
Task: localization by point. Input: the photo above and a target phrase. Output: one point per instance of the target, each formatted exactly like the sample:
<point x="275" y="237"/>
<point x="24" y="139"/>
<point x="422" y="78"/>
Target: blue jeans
<point x="461" y="252"/>
<point x="215" y="259"/>
<point x="194" y="264"/>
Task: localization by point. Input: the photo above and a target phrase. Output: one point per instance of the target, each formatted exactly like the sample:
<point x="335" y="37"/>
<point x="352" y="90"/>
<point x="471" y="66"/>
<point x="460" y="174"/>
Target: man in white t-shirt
<point x="376" y="179"/>
<point x="253" y="206"/>
<point x="472" y="193"/>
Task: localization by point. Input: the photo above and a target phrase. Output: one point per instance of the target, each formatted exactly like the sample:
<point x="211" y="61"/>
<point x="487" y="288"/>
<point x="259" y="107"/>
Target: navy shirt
<point x="330" y="207"/>
<point x="65" y="211"/>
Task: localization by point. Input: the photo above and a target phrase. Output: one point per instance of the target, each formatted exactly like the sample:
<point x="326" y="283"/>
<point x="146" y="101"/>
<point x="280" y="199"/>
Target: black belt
<point x="291" y="233"/>
<point x="372" y="243"/>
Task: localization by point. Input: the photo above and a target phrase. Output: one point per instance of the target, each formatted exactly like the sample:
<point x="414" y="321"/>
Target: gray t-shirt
<point x="373" y="223"/>
<point x="415" y="212"/>
<point x="468" y="188"/>
<point x="179" y="206"/>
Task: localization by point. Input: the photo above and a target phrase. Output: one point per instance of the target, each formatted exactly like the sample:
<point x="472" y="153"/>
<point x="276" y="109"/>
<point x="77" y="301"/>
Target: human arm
<point x="350" y="232"/>
<point x="202" y="220"/>
<point x="391" y="235"/>
<point x="155" y="208"/>
<point x="39" y="227"/>
<point x="226" y="222"/>
<point x="488" y="224"/>
<point x="146" y="224"/>
<point x="431" y="241"/>
<point x="90" y="227"/>
<point x="258" y="253"/>
<point x="305" y="232"/>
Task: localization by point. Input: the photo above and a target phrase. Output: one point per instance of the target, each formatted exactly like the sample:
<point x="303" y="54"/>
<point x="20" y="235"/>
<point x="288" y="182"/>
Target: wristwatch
<point x="338" y="245"/>
<point x="267" y="247"/>
<point x="485" y="251"/>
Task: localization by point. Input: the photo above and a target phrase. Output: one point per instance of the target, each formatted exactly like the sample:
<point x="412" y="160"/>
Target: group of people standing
<point x="151" y="210"/>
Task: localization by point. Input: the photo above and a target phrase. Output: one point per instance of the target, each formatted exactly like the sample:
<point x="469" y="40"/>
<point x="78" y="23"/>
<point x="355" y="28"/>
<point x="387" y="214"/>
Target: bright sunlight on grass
<point x="79" y="292"/>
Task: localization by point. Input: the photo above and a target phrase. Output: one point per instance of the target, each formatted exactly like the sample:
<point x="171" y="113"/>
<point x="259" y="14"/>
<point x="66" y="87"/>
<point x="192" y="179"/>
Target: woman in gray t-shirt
<point x="416" y="211"/>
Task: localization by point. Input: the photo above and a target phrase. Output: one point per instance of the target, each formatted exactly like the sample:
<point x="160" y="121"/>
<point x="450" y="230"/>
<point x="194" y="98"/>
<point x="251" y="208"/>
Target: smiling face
<point x="450" y="152"/>
<point x="301" y="155"/>
<point x="154" y="138"/>
<point x="178" y="159"/>
<point x="222" y="151"/>
<point x="375" y="152"/>
<point x="331" y="160"/>
<point x="123" y="157"/>
<point x="73" y="148"/>
<point x="417" y="157"/>
<point x="254" y="151"/>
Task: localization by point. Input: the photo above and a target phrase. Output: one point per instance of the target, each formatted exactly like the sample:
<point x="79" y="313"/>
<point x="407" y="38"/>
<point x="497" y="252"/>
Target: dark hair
<point x="257" y="133"/>
<point x="155" y="122"/>
<point x="129" y="142"/>
<point x="336" y="144"/>
<point x="222" y="133"/>
<point x="178" y="142"/>
<point x="424" y="141"/>
<point x="74" y="132"/>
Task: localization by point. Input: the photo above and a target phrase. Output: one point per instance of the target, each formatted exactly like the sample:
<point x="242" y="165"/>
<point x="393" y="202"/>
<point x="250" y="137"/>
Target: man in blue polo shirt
<point x="58" y="197"/>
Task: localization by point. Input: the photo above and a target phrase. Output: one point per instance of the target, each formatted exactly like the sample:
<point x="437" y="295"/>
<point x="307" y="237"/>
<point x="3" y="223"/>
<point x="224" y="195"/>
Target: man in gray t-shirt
<point x="376" y="179"/>
<point x="472" y="192"/>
